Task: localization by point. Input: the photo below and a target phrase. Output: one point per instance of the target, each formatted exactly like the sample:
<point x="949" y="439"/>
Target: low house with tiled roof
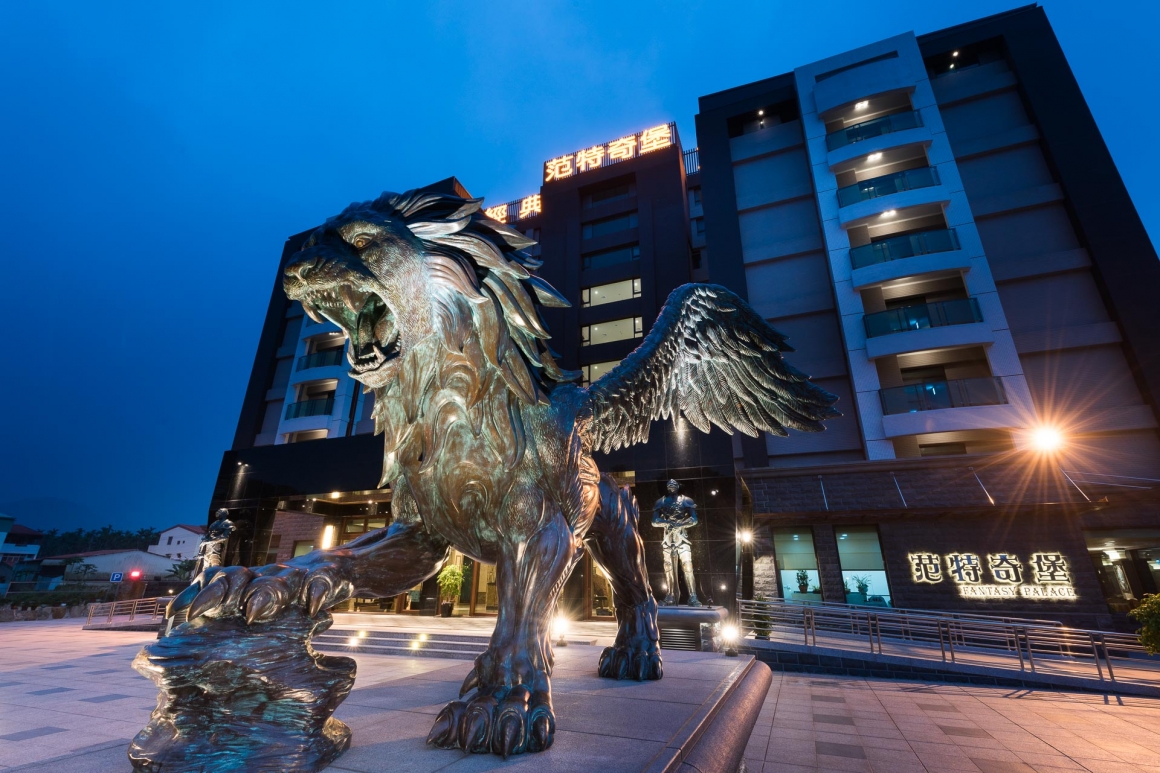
<point x="179" y="542"/>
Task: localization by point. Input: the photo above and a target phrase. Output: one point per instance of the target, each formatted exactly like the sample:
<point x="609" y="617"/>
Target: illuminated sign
<point x="1047" y="576"/>
<point x="515" y="210"/>
<point x="623" y="149"/>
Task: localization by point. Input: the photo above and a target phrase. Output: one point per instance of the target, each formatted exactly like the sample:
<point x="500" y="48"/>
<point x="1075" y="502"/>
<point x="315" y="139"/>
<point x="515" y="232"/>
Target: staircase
<point x="408" y="643"/>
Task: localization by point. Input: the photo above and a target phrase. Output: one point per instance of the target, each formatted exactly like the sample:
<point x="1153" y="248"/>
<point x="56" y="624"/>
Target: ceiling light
<point x="952" y="66"/>
<point x="335" y="495"/>
<point x="865" y="103"/>
<point x="842" y="537"/>
<point x="761" y="112"/>
<point x="1113" y="555"/>
<point x="956" y="53"/>
<point x="874" y="157"/>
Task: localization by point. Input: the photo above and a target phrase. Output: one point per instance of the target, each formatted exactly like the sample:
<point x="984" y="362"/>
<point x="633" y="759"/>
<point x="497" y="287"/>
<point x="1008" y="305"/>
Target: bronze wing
<point x="711" y="357"/>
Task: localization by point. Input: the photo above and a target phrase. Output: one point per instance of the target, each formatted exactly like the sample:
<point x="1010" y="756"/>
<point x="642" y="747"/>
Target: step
<point x="398" y="650"/>
<point x="369" y="644"/>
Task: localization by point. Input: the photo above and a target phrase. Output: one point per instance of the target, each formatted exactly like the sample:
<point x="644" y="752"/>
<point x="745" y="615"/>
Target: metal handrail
<point x="1001" y="642"/>
<point x="134" y="608"/>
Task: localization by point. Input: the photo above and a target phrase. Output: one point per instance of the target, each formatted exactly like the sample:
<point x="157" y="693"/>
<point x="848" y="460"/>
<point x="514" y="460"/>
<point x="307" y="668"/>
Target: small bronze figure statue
<point x="488" y="447"/>
<point x="676" y="514"/>
<point x="212" y="550"/>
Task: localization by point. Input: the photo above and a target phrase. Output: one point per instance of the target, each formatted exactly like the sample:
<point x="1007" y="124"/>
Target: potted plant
<point x="1148" y="616"/>
<point x="862" y="585"/>
<point x="803" y="580"/>
<point x="450" y="584"/>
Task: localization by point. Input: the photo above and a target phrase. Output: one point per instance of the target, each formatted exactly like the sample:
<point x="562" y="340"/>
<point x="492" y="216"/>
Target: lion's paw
<point x="519" y="722"/>
<point x="631" y="661"/>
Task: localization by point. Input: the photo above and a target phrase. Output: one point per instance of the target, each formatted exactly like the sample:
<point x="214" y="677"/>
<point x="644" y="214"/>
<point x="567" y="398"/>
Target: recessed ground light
<point x="874" y="157"/>
<point x="952" y="67"/>
<point x="889" y="213"/>
<point x="865" y="103"/>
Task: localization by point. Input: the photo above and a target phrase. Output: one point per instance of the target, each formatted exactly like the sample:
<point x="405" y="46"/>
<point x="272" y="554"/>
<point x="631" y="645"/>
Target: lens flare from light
<point x="729" y="633"/>
<point x="746" y="536"/>
<point x="1046" y="439"/>
<point x="352" y="641"/>
<point x="560" y="627"/>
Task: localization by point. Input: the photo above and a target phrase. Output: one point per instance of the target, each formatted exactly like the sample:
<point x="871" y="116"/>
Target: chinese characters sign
<point x="515" y="210"/>
<point x="633" y="145"/>
<point x="996" y="576"/>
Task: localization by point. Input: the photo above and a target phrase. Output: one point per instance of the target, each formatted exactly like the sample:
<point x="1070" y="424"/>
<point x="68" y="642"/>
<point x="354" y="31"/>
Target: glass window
<point x="596" y="370"/>
<point x="797" y="564"/>
<point x="611" y="193"/>
<point x="486" y="595"/>
<point x="301" y="547"/>
<point x="1127" y="562"/>
<point x="610" y="293"/>
<point x="611" y="257"/>
<point x="607" y="332"/>
<point x="601" y="593"/>
<point x="863" y="570"/>
<point x="694" y="197"/>
<point x="698" y="226"/>
<point x="608" y="225"/>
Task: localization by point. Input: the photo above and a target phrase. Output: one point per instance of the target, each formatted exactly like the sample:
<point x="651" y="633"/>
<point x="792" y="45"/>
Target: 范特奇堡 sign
<point x="1045" y="577"/>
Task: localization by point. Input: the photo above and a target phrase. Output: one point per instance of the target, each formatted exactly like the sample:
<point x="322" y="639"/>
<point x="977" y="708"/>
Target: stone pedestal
<point x="695" y="628"/>
<point x="243" y="697"/>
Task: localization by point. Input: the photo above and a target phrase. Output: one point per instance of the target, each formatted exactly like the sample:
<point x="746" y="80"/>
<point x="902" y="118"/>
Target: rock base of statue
<point x="243" y="697"/>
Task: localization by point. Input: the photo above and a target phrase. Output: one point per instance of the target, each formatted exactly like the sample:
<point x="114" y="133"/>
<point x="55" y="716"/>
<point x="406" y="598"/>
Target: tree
<point x="183" y="570"/>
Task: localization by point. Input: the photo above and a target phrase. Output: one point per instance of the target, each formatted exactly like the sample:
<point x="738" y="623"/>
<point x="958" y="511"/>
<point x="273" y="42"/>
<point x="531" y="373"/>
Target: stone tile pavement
<point x="69" y="703"/>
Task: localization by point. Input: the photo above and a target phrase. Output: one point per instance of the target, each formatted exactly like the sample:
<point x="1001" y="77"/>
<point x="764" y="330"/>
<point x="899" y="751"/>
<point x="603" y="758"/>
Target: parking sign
<point x="116" y="576"/>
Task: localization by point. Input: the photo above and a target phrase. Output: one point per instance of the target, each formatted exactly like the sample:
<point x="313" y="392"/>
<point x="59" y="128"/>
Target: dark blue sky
<point x="154" y="158"/>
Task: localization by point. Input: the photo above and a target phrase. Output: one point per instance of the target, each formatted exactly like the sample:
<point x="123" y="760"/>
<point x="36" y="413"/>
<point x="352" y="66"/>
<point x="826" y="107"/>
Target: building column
<point x="829" y="568"/>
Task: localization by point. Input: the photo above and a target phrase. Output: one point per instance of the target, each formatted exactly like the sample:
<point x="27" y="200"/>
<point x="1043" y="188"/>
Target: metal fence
<point x="692" y="161"/>
<point x="133" y="609"/>
<point x="1035" y="646"/>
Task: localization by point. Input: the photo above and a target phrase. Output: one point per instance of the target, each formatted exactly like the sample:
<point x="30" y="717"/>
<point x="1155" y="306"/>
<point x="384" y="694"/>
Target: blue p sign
<point x="116" y="576"/>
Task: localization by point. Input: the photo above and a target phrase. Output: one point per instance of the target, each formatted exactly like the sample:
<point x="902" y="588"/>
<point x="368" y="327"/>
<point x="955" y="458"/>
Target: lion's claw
<point x="630" y="662"/>
<point x="519" y="722"/>
<point x="260" y="595"/>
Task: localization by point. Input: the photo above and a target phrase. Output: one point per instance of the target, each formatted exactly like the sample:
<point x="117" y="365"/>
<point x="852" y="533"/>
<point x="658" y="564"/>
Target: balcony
<point x="937" y="395"/>
<point x="320" y="407"/>
<point x="321" y="359"/>
<point x="887" y="124"/>
<point x="962" y="311"/>
<point x="877" y="187"/>
<point x="908" y="246"/>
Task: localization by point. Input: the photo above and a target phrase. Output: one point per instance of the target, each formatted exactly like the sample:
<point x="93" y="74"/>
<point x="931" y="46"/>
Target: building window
<point x="614" y="330"/>
<point x="596" y="370"/>
<point x="694" y="197"/>
<point x="863" y="570"/>
<point x="608" y="225"/>
<point x="612" y="257"/>
<point x="698" y="226"/>
<point x="170" y="542"/>
<point x="696" y="259"/>
<point x="610" y="293"/>
<point x="305" y="435"/>
<point x="302" y="547"/>
<point x="617" y="192"/>
<point x="797" y="564"/>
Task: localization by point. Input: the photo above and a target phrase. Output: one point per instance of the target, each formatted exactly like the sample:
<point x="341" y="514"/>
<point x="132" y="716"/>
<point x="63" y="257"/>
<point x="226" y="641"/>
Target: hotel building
<point x="938" y="226"/>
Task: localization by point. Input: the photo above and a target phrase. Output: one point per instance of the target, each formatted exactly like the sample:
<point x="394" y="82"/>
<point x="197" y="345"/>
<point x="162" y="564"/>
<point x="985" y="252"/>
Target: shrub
<point x="450" y="582"/>
<point x="761" y="621"/>
<point x="1148" y="616"/>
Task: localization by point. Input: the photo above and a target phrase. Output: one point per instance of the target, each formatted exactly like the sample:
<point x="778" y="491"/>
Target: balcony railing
<point x="321" y="407"/>
<point x="875" y="187"/>
<point x="961" y="311"/>
<point x="936" y="395"/>
<point x="906" y="246"/>
<point x="320" y="359"/>
<point x="873" y="128"/>
<point x="692" y="161"/>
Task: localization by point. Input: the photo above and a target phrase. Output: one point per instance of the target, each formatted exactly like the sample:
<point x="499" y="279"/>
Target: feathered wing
<point x="711" y="357"/>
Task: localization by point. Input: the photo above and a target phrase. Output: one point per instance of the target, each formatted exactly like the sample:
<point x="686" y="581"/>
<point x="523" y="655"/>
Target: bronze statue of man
<point x="212" y="549"/>
<point x="676" y="514"/>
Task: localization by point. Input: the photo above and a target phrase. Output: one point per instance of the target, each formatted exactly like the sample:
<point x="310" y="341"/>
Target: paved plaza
<point x="69" y="703"/>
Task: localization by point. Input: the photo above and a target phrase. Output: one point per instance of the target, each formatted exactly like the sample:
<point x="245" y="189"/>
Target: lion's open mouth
<point x="366" y="320"/>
